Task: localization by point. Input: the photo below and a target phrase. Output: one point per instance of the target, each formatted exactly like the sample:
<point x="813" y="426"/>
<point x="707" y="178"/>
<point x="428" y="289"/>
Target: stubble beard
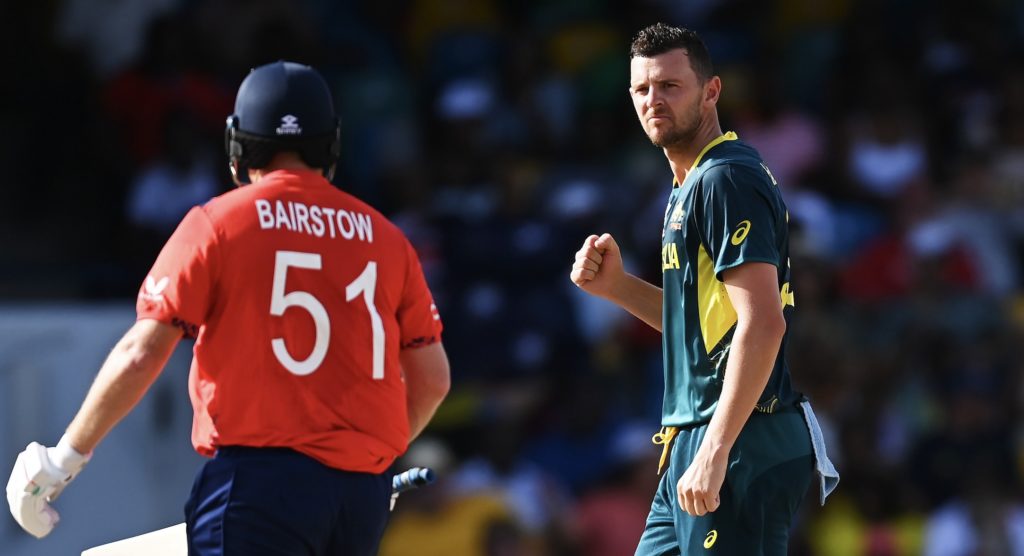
<point x="682" y="133"/>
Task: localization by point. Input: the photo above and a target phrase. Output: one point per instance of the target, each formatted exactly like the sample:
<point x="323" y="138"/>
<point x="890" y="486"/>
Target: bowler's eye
<point x="640" y="89"/>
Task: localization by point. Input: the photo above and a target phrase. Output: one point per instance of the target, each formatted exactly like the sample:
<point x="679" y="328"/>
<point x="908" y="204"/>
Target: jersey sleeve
<point x="177" y="290"/>
<point x="418" y="318"/>
<point x="739" y="219"/>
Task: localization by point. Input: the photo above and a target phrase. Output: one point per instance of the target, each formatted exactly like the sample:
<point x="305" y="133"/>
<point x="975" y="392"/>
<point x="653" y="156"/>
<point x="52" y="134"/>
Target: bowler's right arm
<point x="598" y="271"/>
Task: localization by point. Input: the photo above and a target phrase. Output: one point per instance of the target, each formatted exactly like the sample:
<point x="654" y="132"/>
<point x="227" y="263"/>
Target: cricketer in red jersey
<point x="318" y="354"/>
<point x="333" y="389"/>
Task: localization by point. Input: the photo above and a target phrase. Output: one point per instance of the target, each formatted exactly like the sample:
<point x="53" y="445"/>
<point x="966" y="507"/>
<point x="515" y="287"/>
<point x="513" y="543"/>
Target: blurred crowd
<point x="498" y="135"/>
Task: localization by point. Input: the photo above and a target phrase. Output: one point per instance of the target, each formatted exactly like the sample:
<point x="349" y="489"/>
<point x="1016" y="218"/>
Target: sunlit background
<point x="498" y="134"/>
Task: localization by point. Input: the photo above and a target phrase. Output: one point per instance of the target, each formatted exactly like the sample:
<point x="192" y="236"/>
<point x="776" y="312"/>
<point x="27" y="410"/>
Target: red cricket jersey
<point x="300" y="297"/>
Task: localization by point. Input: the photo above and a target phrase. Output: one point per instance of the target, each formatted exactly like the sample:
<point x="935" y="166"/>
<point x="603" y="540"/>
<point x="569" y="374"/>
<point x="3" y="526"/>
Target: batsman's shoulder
<point x="228" y="202"/>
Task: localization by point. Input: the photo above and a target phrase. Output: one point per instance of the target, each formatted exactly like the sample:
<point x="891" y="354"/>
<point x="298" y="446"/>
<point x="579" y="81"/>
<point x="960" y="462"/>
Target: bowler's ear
<point x="712" y="89"/>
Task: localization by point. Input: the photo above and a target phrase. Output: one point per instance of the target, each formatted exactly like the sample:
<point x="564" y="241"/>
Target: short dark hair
<point x="661" y="38"/>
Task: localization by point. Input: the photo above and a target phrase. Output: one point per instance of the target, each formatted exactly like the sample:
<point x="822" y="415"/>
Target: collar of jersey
<point x="727" y="136"/>
<point x="286" y="173"/>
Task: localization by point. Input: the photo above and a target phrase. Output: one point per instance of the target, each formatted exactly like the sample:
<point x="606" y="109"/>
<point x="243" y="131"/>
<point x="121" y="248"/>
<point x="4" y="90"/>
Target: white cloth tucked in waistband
<point x="827" y="474"/>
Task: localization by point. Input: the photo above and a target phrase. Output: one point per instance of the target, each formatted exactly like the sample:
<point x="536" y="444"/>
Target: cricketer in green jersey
<point x="742" y="447"/>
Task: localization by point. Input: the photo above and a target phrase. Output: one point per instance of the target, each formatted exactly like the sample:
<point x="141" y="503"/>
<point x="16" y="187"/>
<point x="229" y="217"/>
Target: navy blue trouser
<point x="276" y="501"/>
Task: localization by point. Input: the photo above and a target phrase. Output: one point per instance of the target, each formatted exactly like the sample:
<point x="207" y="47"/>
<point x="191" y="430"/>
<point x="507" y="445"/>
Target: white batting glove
<point x="39" y="476"/>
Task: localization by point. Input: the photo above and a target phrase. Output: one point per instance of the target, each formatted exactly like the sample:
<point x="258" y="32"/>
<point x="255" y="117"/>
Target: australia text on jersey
<point x="314" y="220"/>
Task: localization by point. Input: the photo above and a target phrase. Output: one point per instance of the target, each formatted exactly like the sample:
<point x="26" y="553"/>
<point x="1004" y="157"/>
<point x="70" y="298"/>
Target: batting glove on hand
<point x="39" y="476"/>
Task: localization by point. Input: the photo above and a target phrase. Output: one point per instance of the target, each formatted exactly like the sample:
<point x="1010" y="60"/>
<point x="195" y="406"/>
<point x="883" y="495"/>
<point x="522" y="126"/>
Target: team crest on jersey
<point x="675" y="220"/>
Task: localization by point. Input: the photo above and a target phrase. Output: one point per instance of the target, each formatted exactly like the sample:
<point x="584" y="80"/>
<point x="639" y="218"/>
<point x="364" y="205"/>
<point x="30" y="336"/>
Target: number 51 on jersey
<point x="365" y="284"/>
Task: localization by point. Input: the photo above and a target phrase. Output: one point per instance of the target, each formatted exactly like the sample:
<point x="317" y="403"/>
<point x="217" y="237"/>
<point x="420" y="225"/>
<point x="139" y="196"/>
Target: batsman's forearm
<point x="128" y="372"/>
<point x="421" y="408"/>
<point x="751" y="359"/>
<point x="641" y="298"/>
<point x="427" y="381"/>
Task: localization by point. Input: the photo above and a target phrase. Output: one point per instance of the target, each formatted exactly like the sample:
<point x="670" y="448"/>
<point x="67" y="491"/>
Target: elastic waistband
<point x="287" y="456"/>
<point x="668" y="433"/>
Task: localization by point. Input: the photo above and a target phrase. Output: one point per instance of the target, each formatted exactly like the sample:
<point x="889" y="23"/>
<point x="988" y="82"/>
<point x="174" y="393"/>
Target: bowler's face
<point x="667" y="95"/>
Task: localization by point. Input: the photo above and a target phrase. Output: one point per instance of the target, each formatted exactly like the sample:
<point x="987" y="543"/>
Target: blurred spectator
<point x="165" y="80"/>
<point x="435" y="521"/>
<point x="238" y="35"/>
<point x="573" y="444"/>
<point x="535" y="498"/>
<point x="181" y="177"/>
<point x="886" y="152"/>
<point x="970" y="221"/>
<point x="985" y="520"/>
<point x="111" y="33"/>
<point x="790" y="141"/>
<point x="609" y="518"/>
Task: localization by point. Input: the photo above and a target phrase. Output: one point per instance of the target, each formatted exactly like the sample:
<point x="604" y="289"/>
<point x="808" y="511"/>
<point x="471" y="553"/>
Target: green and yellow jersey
<point x="728" y="211"/>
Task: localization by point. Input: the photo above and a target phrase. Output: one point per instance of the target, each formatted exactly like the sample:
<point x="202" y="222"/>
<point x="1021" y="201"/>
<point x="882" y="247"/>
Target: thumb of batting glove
<point x="39" y="476"/>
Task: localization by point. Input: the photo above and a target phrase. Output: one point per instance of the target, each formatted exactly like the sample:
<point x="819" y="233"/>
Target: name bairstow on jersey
<point x="314" y="220"/>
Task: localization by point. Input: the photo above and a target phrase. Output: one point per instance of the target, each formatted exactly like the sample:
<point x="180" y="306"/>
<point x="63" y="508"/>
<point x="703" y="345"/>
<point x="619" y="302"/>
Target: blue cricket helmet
<point x="282" y="106"/>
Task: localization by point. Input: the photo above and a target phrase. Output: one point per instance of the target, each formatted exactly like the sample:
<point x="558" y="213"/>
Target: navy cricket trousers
<point x="277" y="502"/>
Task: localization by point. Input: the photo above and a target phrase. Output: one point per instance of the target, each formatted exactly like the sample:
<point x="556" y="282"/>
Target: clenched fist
<point x="598" y="267"/>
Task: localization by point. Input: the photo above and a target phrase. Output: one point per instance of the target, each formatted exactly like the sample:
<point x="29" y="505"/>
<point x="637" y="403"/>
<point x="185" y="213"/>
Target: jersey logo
<point x="154" y="290"/>
<point x="675" y="221"/>
<point x="742" y="229"/>
<point x="709" y="541"/>
<point x="434" y="313"/>
<point x="289" y="126"/>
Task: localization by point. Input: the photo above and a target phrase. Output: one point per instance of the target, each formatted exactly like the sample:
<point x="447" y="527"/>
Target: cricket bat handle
<point x="412" y="478"/>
